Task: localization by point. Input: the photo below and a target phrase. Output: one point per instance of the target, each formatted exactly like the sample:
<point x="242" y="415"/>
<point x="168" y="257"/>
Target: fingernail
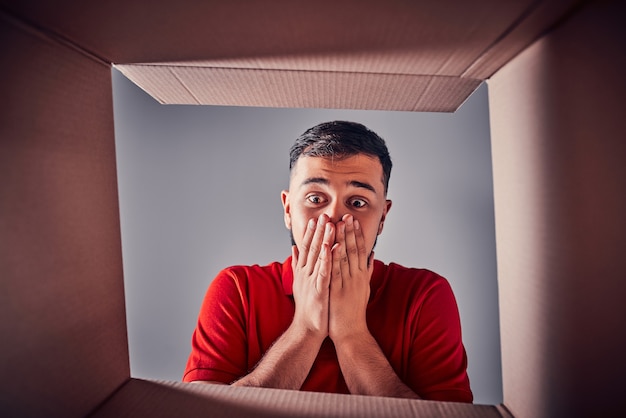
<point x="312" y="223"/>
<point x="349" y="220"/>
<point x="356" y="224"/>
<point x="328" y="228"/>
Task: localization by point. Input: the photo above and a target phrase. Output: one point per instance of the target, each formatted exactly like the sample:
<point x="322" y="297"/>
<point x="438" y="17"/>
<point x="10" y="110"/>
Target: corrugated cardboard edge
<point x="295" y="85"/>
<point x="162" y="399"/>
<point x="194" y="84"/>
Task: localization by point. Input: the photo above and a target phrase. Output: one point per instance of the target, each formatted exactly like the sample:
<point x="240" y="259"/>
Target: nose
<point x="334" y="211"/>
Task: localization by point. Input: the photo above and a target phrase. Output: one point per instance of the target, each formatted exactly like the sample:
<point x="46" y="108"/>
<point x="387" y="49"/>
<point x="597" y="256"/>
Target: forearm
<point x="287" y="363"/>
<point x="367" y="371"/>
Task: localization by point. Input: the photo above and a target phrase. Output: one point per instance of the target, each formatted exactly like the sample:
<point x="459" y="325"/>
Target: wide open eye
<point x="315" y="199"/>
<point x="358" y="203"/>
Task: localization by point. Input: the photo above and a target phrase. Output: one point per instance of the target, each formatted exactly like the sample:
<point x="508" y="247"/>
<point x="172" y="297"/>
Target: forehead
<point x="359" y="167"/>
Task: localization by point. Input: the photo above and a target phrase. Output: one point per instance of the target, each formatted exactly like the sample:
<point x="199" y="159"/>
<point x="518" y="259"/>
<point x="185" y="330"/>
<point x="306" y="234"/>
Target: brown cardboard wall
<point x="156" y="399"/>
<point x="558" y="134"/>
<point x="62" y="321"/>
<point x="559" y="150"/>
<point x="365" y="36"/>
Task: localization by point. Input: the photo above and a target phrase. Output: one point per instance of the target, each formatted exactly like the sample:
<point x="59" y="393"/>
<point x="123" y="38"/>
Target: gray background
<point x="200" y="190"/>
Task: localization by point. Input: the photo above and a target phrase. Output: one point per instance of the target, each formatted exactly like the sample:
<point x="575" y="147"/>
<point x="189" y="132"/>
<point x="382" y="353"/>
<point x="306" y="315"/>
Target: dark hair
<point x="341" y="139"/>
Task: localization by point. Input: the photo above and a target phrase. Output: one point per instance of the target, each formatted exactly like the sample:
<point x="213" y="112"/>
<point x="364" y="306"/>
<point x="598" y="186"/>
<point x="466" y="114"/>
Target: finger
<point x="294" y="257"/>
<point x="370" y="264"/>
<point x="341" y="253"/>
<point x="327" y="240"/>
<point x="352" y="250"/>
<point x="324" y="272"/>
<point x="364" y="262"/>
<point x="336" y="279"/>
<point x="329" y="234"/>
<point x="306" y="242"/>
<point x="316" y="244"/>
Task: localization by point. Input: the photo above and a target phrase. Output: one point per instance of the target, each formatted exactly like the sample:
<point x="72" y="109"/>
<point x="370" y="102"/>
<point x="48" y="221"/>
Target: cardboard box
<point x="555" y="71"/>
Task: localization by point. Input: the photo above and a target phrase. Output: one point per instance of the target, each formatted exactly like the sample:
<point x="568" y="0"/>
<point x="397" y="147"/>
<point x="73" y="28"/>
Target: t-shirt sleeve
<point x="438" y="359"/>
<point x="218" y="344"/>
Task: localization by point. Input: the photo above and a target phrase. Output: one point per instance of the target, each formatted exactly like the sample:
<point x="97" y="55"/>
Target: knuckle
<point x="315" y="249"/>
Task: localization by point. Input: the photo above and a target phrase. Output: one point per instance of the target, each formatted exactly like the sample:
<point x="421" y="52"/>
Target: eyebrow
<point x="354" y="183"/>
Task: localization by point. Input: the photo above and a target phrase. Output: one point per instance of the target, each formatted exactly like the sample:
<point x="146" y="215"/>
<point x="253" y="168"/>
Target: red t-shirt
<point x="412" y="314"/>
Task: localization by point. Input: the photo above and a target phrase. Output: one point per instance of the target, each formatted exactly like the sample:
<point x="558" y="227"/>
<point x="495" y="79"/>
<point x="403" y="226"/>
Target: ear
<point x="284" y="197"/>
<point x="382" y="219"/>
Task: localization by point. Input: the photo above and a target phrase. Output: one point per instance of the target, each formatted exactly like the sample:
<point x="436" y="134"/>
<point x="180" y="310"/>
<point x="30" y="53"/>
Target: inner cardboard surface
<point x="559" y="152"/>
<point x="63" y="323"/>
<point x="288" y="88"/>
<point x="162" y="399"/>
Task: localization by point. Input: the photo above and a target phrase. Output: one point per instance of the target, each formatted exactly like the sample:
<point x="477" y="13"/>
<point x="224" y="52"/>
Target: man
<point x="331" y="318"/>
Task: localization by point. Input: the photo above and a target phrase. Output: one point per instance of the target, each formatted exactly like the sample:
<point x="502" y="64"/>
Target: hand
<point x="311" y="276"/>
<point x="352" y="269"/>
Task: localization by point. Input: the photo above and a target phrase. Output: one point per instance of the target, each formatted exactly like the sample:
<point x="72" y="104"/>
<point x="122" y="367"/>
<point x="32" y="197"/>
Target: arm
<point x="364" y="366"/>
<point x="366" y="369"/>
<point x="285" y="364"/>
<point x="288" y="362"/>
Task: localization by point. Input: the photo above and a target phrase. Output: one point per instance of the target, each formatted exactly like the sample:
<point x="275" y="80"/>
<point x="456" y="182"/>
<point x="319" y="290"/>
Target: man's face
<point x="352" y="185"/>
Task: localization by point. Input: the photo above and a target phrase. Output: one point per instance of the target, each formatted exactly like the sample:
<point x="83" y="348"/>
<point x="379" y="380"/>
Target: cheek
<point x="299" y="219"/>
<point x="370" y="232"/>
<point x="370" y="239"/>
<point x="298" y="226"/>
